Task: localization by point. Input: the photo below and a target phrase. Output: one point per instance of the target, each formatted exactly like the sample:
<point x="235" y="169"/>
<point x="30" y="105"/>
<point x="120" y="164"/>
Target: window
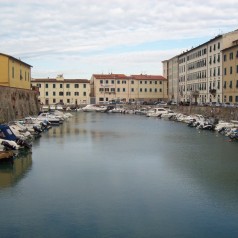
<point x="53" y="85"/>
<point x="155" y="90"/>
<point x="101" y="89"/>
<point x="118" y="81"/>
<point x="76" y="85"/>
<point x="145" y="90"/>
<point x="84" y="94"/>
<point x="155" y="82"/>
<point x="67" y="85"/>
<point x="236" y="98"/>
<point x="224" y="57"/>
<point x="218" y="45"/>
<point x="68" y="93"/>
<point x="106" y="81"/>
<point x="84" y="85"/>
<point x="231" y="56"/>
<point x="112" y="89"/>
<point x="101" y="99"/>
<point x="112" y="81"/>
<point x="224" y="71"/>
<point x="150" y="90"/>
<point x="101" y="81"/>
<point x="160" y="90"/>
<point x="140" y="89"/>
<point x="123" y="81"/>
<point x="54" y="101"/>
<point x="237" y="69"/>
<point x="230" y="85"/>
<point x="68" y="100"/>
<point x="224" y="84"/>
<point x="145" y="82"/>
<point x="231" y="70"/>
<point x="61" y="85"/>
<point x="61" y="93"/>
<point x="218" y="71"/>
<point x="118" y="90"/>
<point x="54" y="94"/>
<point x="218" y="84"/>
<point x="46" y="94"/>
<point x="236" y="83"/>
<point x="132" y="89"/>
<point x="132" y="81"/>
<point x="150" y="82"/>
<point x="123" y="90"/>
<point x="12" y="72"/>
<point x="230" y="98"/>
<point x="76" y="93"/>
<point x="140" y="82"/>
<point x="46" y="85"/>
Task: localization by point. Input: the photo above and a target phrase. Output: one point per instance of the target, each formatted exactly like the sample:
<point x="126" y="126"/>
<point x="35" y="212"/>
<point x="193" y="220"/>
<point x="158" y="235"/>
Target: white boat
<point x="156" y="112"/>
<point x="90" y="108"/>
<point x="44" y="116"/>
<point x="101" y="109"/>
<point x="168" y="115"/>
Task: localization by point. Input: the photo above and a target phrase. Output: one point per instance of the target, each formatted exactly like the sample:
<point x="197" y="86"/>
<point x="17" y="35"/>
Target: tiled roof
<point x="147" y="77"/>
<point x="51" y="80"/>
<point x="18" y="60"/>
<point x="110" y="76"/>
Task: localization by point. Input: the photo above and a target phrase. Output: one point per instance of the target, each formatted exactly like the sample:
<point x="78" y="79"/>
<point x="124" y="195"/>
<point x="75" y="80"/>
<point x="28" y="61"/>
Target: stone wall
<point x="222" y="113"/>
<point x="17" y="103"/>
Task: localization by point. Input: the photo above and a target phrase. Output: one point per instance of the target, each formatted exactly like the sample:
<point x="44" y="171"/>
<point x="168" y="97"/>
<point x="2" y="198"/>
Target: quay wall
<point x="17" y="103"/>
<point x="221" y="113"/>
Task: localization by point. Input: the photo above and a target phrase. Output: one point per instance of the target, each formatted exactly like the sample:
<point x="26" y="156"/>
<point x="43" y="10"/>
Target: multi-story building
<point x="14" y="72"/>
<point x="64" y="91"/>
<point x="200" y="70"/>
<point x="170" y="71"/>
<point x="107" y="88"/>
<point x="230" y="73"/>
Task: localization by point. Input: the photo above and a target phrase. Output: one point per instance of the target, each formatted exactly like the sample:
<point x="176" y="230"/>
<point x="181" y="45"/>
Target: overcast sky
<point x="78" y="38"/>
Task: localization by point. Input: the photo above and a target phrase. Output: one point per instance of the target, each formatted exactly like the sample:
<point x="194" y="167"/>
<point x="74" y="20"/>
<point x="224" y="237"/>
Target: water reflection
<point x="11" y="173"/>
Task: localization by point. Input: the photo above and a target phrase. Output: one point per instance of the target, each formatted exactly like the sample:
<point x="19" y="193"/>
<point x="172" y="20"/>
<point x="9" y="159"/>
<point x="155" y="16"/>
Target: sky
<point x="78" y="38"/>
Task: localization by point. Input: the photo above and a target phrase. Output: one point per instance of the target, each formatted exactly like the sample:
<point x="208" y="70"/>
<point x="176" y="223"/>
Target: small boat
<point x="50" y="118"/>
<point x="156" y="112"/>
<point x="90" y="108"/>
<point x="6" y="155"/>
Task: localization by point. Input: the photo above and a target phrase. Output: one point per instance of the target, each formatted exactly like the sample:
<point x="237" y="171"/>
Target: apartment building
<point x="14" y="72"/>
<point x="230" y="73"/>
<point x="64" y="91"/>
<point x="200" y="74"/>
<point x="106" y="88"/>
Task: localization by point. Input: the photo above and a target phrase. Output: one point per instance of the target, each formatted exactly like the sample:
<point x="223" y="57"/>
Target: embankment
<point x="17" y="103"/>
<point x="221" y="113"/>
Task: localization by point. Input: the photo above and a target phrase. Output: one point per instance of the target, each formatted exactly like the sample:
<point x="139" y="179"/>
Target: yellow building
<point x="106" y="88"/>
<point x="230" y="73"/>
<point x="62" y="91"/>
<point x="14" y="72"/>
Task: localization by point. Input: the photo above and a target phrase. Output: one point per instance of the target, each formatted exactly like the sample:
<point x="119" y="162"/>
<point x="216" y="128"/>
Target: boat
<point x="6" y="155"/>
<point x="8" y="140"/>
<point x="90" y="108"/>
<point x="45" y="116"/>
<point x="156" y="112"/>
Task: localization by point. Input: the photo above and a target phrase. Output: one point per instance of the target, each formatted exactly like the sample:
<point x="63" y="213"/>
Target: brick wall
<point x="17" y="103"/>
<point x="222" y="113"/>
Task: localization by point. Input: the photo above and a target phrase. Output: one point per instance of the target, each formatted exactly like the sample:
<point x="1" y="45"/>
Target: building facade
<point x="109" y="88"/>
<point x="230" y="73"/>
<point x="14" y="72"/>
<point x="62" y="91"/>
<point x="200" y="71"/>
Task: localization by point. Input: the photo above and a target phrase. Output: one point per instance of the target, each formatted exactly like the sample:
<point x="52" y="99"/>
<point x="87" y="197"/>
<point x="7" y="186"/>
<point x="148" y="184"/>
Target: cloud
<point x="46" y="30"/>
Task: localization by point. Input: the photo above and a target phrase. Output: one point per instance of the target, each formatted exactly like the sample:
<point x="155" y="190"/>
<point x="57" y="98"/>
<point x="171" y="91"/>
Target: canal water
<point x="115" y="175"/>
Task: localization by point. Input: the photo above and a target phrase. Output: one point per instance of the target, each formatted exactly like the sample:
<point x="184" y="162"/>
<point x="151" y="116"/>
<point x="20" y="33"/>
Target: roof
<point x="110" y="76"/>
<point x="51" y="80"/>
<point x="134" y="77"/>
<point x="18" y="60"/>
<point x="147" y="77"/>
